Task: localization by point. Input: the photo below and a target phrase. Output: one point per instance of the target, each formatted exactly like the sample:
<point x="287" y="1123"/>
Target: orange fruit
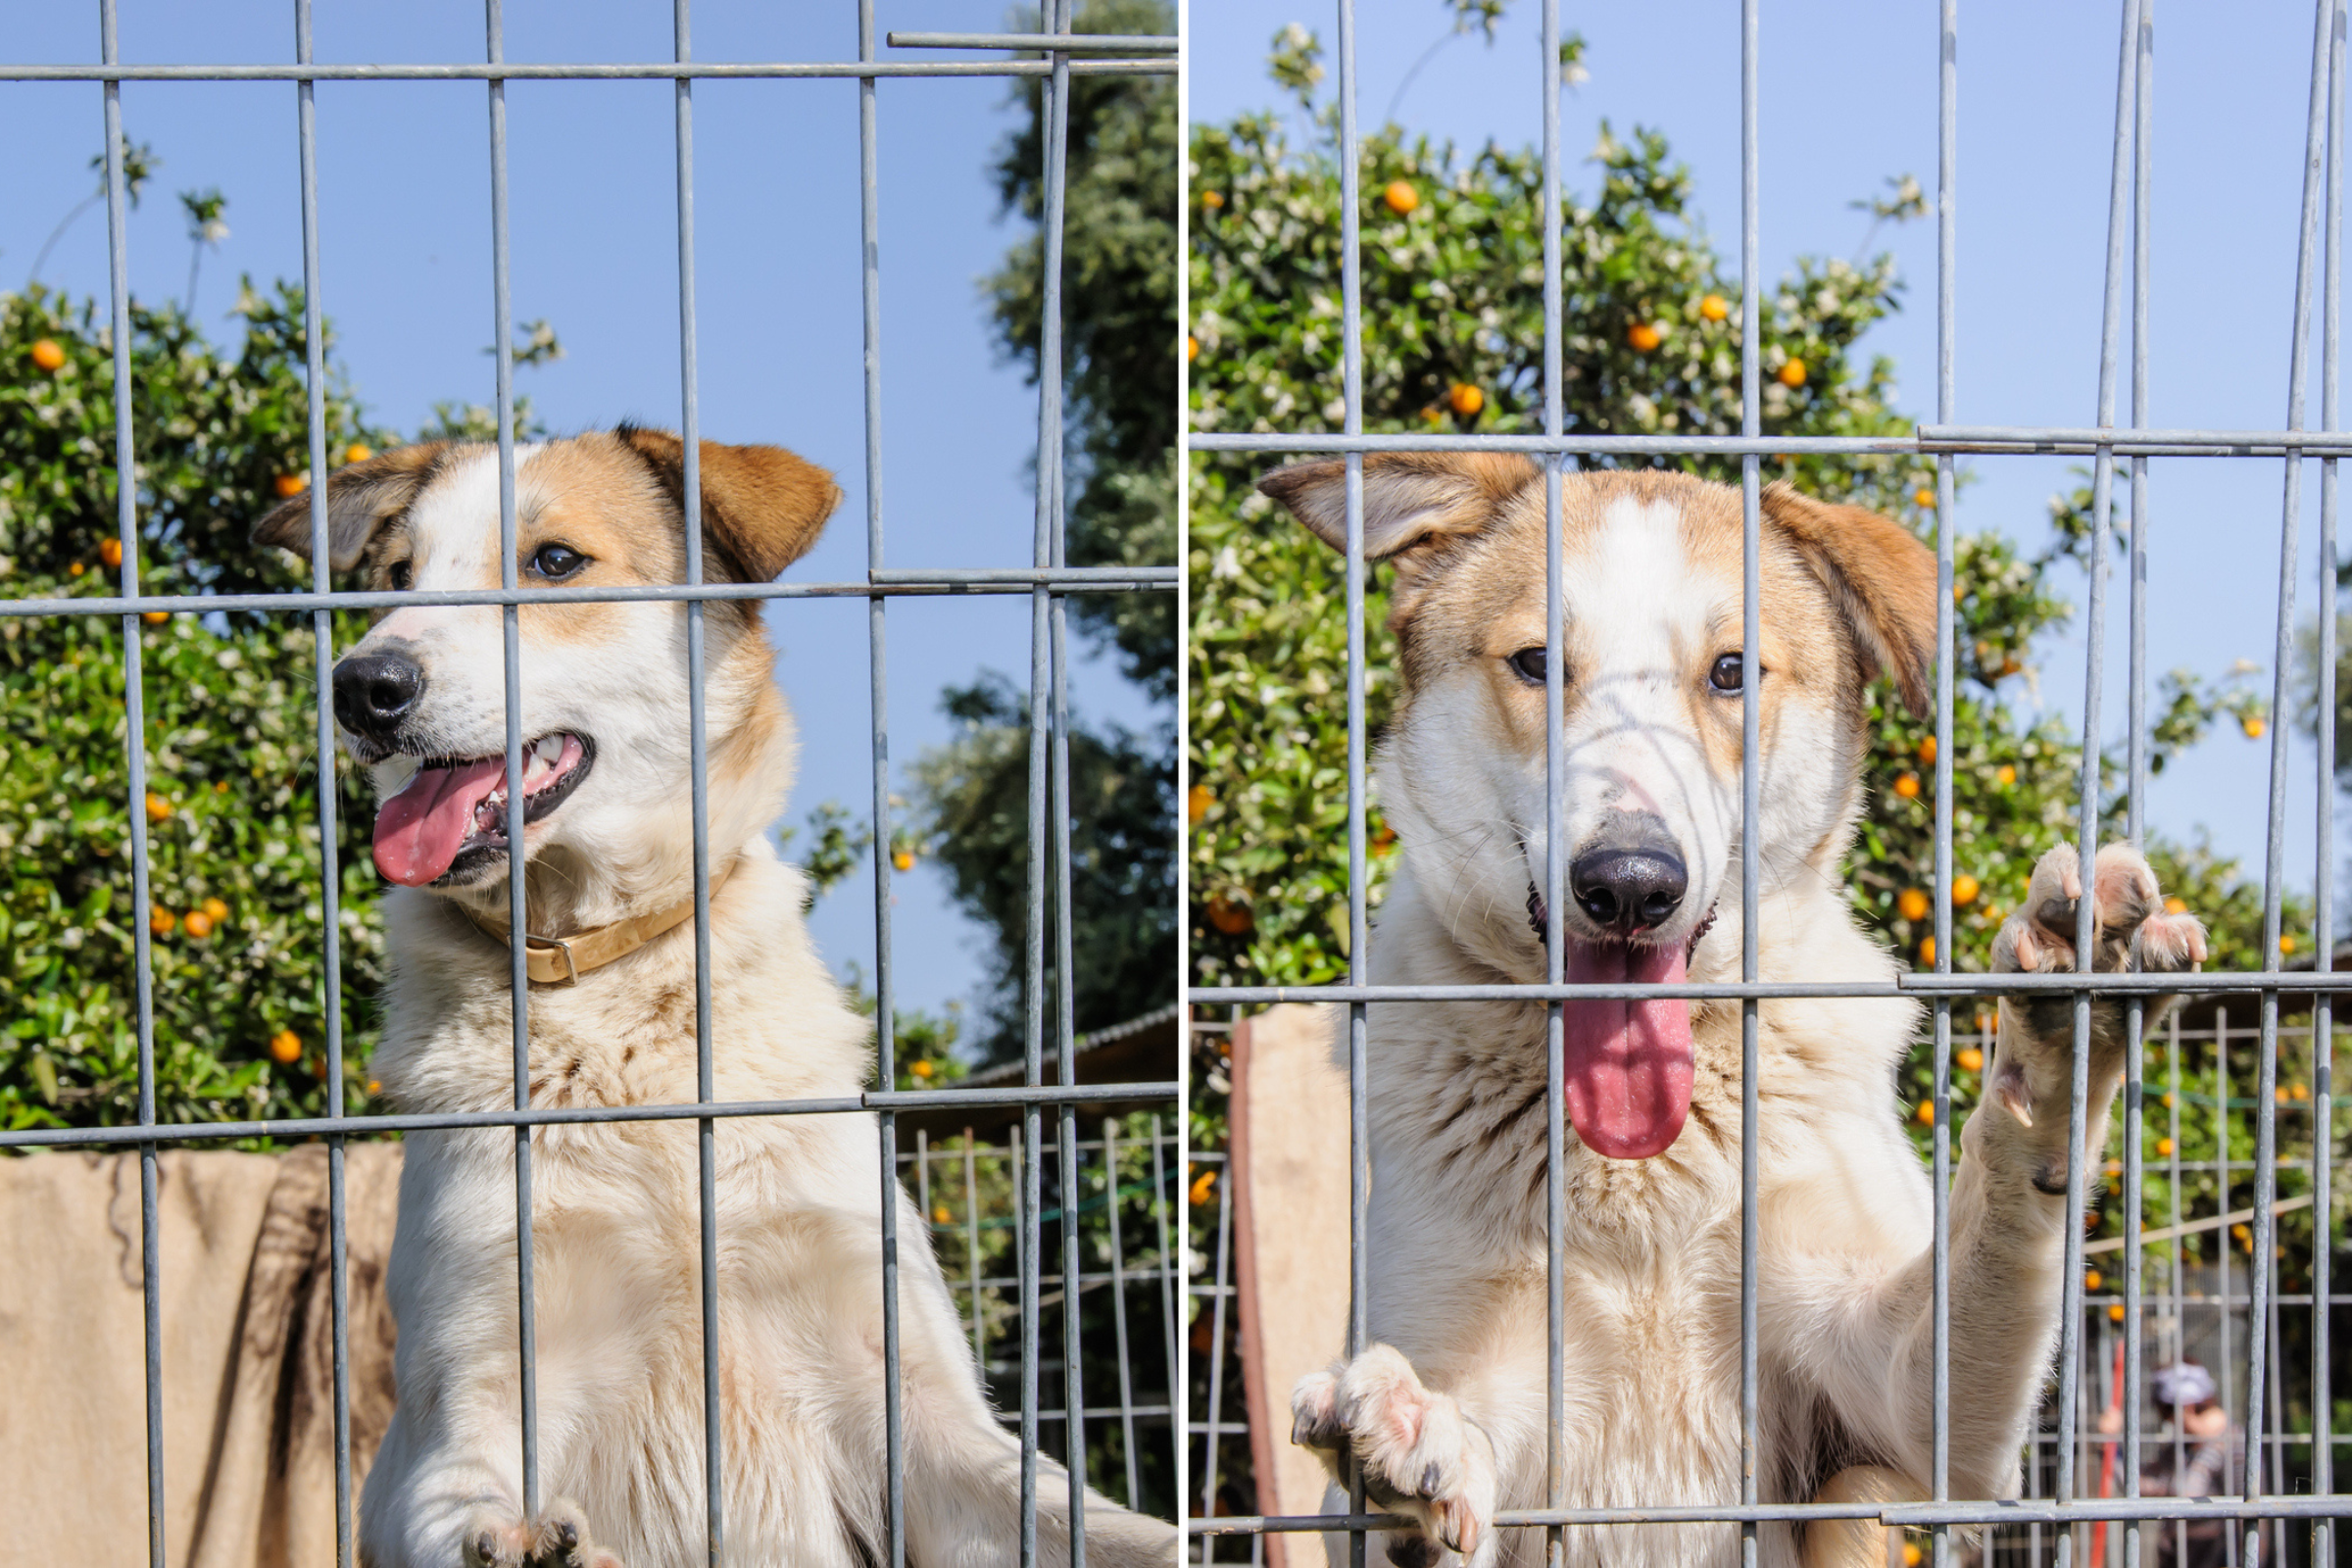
<point x="1924" y="498"/>
<point x="1192" y="348"/>
<point x="1907" y="786"/>
<point x="1911" y="1555"/>
<point x="1714" y="308"/>
<point x="1231" y="918"/>
<point x="1466" y="399"/>
<point x="2176" y="905"/>
<point x="217" y="909"/>
<point x="2090" y="1279"/>
<point x="48" y="356"/>
<point x="2115" y="1311"/>
<point x="941" y="1216"/>
<point x="2287" y="942"/>
<point x="290" y="485"/>
<point x="162" y="921"/>
<point x="1927" y="950"/>
<point x="158" y="808"/>
<point x="1382" y="840"/>
<point x="198" y="923"/>
<point x="1970" y="1059"/>
<point x="1911" y="904"/>
<point x="2298" y="1091"/>
<point x="1925" y="1113"/>
<point x="220" y="786"/>
<point x="285" y="1046"/>
<point x="2164" y="1148"/>
<point x="358" y="452"/>
<point x="1926" y="751"/>
<point x="110" y="551"/>
<point x="156" y="618"/>
<point x="2005" y="774"/>
<point x="1793" y="375"/>
<point x="1204" y="1184"/>
<point x="2253" y="725"/>
<point x="77" y="568"/>
<point x="1212" y="199"/>
<point x="1964" y="888"/>
<point x="1197" y="802"/>
<point x="903" y="860"/>
<point x="1401" y="197"/>
<point x="1644" y="336"/>
<point x="921" y="1069"/>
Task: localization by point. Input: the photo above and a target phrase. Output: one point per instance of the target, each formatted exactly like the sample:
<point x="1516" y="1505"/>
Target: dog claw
<point x="1432" y="1478"/>
<point x="2009" y="1088"/>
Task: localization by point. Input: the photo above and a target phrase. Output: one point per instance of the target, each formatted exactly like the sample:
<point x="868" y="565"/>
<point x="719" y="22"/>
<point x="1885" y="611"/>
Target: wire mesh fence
<point x="2257" y="1320"/>
<point x="1010" y="1309"/>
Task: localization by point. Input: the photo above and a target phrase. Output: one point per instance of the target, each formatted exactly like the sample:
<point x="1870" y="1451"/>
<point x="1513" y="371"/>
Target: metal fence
<point x="1060" y="55"/>
<point x="2068" y="1502"/>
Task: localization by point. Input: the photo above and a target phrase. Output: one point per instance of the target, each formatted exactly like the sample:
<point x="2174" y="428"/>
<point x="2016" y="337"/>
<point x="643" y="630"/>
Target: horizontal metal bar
<point x="1068" y="43"/>
<point x="2212" y="1222"/>
<point x="1142" y="579"/>
<point x="2021" y="1511"/>
<point x="638" y="71"/>
<point x="320" y="1126"/>
<point x="1929" y="441"/>
<point x="1983" y="985"/>
<point x="1025" y="577"/>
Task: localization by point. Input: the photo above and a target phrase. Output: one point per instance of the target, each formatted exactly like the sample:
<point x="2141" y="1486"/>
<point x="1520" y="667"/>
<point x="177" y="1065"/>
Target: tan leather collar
<point x="561" y="961"/>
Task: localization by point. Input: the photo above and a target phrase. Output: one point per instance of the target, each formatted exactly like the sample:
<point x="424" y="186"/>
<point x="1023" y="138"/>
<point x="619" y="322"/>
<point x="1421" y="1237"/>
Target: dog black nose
<point x="376" y="692"/>
<point x="1630" y="890"/>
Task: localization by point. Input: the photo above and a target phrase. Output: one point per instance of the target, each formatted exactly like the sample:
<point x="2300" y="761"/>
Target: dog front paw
<point x="556" y="1539"/>
<point x="1419" y="1455"/>
<point x="2133" y="930"/>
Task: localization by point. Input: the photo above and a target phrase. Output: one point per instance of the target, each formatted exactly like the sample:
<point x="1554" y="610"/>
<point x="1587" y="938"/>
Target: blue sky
<point x="1849" y="99"/>
<point x="405" y="246"/>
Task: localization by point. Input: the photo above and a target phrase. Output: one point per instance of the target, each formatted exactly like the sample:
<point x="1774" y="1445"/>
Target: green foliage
<point x="972" y="798"/>
<point x="232" y="740"/>
<point x="1119" y="329"/>
<point x="1451" y="287"/>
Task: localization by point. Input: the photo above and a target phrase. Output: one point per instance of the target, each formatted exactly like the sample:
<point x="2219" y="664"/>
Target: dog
<point x="1444" y="1410"/>
<point x="608" y="839"/>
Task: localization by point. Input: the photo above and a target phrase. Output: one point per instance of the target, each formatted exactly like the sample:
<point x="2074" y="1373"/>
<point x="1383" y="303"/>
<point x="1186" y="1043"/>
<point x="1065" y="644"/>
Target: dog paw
<point x="556" y="1539"/>
<point x="2133" y="930"/>
<point x="1419" y="1455"/>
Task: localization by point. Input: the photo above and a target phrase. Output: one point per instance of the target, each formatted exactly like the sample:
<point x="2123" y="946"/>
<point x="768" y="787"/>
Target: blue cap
<point x="2183" y="1382"/>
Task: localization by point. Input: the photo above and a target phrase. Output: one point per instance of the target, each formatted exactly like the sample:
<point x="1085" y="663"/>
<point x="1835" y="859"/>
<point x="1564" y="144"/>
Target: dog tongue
<point x="1627" y="1063"/>
<point x="419" y="830"/>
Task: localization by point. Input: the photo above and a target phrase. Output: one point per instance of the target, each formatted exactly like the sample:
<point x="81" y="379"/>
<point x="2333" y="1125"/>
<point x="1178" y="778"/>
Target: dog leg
<point x="496" y="1537"/>
<point x="1419" y="1454"/>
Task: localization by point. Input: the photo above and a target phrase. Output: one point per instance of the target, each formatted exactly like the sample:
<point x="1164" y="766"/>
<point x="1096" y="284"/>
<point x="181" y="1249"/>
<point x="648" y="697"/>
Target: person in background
<point x="2207" y="1462"/>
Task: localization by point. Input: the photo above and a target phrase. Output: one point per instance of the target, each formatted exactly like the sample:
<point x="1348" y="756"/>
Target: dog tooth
<point x="550" y="747"/>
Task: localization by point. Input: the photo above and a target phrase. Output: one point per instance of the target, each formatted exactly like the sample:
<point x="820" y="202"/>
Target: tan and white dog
<point x="615" y="1212"/>
<point x="1446" y="1410"/>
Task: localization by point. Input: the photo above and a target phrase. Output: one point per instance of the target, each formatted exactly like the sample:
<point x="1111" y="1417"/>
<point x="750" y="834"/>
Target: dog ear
<point x="360" y="499"/>
<point x="1416" y="503"/>
<point x="762" y="506"/>
<point x="1882" y="578"/>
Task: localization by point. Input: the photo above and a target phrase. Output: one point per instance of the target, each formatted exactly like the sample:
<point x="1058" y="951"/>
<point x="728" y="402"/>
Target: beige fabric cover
<point x="1290" y="1156"/>
<point x="248" y="1409"/>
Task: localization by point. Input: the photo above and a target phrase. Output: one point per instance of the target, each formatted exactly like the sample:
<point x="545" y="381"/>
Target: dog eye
<point x="557" y="561"/>
<point x="1727" y="674"/>
<point x="1530" y="663"/>
<point x="401" y="575"/>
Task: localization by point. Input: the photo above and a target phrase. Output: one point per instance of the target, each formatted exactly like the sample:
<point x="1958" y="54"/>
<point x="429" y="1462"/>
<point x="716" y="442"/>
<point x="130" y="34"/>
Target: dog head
<point x="1650" y="743"/>
<point x="607" y="769"/>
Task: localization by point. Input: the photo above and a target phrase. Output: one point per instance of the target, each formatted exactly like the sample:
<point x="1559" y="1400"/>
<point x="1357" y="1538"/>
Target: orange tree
<point x="1453" y="292"/>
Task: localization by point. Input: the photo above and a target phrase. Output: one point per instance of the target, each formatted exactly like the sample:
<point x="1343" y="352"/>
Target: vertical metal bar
<point x="2178" y="1249"/>
<point x="1752" y="745"/>
<point x="1161" y="1202"/>
<point x="1118" y="1305"/>
<point x="971" y="1252"/>
<point x="2070" y="1331"/>
<point x="870" y="207"/>
<point x="134" y="732"/>
<point x="2322" y="1022"/>
<point x="1213" y="1425"/>
<point x="2259" y="1342"/>
<point x="1351" y="372"/>
<point x="690" y="434"/>
<point x="1555" y="857"/>
<point x="2134" y="1009"/>
<point x="1947" y="239"/>
<point x="518" y="974"/>
<point x="331" y="876"/>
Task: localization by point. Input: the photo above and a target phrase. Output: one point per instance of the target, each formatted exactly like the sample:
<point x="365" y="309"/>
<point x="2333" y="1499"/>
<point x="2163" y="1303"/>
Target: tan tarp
<point x="248" y="1408"/>
<point x="1289" y="1208"/>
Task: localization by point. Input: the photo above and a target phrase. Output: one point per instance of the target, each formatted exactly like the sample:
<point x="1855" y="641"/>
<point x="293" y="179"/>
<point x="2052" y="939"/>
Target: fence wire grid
<point x="1052" y="57"/>
<point x="2240" y="1312"/>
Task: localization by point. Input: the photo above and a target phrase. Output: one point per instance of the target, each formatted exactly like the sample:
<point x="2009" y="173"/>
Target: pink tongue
<point x="1628" y="1067"/>
<point x="419" y="830"/>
